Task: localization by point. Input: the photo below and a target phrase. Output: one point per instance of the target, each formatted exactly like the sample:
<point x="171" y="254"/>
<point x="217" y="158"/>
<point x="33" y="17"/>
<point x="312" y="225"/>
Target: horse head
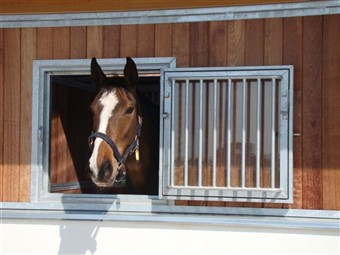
<point x="116" y="123"/>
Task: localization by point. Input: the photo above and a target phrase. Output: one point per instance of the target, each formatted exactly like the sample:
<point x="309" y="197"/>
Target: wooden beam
<point x="312" y="113"/>
<point x="330" y="113"/>
<point x="64" y="6"/>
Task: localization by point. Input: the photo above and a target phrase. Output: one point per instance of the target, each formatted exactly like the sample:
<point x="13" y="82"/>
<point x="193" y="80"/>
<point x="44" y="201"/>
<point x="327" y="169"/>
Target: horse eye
<point x="129" y="110"/>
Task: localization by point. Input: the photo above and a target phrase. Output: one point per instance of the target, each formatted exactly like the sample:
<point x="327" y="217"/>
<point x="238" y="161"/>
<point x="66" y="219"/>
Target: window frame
<point x="41" y="101"/>
<point x="283" y="194"/>
<point x="43" y="69"/>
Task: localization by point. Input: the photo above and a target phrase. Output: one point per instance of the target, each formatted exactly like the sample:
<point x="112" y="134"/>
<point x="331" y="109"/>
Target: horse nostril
<point x="105" y="171"/>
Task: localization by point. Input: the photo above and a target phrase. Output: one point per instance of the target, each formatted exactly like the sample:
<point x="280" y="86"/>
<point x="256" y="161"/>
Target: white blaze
<point x="109" y="101"/>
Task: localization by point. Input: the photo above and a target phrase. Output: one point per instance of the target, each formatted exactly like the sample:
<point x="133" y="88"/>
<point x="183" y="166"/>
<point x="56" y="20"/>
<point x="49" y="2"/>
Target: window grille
<point x="227" y="134"/>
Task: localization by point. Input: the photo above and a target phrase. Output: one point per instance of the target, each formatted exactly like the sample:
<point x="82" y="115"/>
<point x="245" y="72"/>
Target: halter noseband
<point x="130" y="149"/>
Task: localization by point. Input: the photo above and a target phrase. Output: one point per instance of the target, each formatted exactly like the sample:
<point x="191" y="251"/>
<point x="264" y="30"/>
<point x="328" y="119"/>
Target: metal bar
<point x="196" y="74"/>
<point x="186" y="134"/>
<point x="258" y="133"/>
<point x="172" y="15"/>
<point x="214" y="145"/>
<point x="200" y="134"/>
<point x="228" y="147"/>
<point x="173" y="132"/>
<point x="272" y="170"/>
<point x="244" y="132"/>
<point x="55" y="187"/>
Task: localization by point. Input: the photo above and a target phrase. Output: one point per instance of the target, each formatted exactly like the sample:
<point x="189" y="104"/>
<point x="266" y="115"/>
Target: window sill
<point x="234" y="217"/>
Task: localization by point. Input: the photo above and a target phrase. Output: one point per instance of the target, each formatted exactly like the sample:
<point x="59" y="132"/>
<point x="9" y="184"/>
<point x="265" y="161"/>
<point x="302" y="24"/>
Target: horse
<point x="124" y="141"/>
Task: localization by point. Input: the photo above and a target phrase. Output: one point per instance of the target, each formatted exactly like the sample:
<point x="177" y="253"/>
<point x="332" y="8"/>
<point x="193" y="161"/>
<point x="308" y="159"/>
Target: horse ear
<point x="130" y="73"/>
<point x="97" y="75"/>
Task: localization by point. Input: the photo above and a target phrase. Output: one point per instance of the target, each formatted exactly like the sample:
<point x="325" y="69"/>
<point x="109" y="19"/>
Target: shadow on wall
<point x="74" y="240"/>
<point x="78" y="238"/>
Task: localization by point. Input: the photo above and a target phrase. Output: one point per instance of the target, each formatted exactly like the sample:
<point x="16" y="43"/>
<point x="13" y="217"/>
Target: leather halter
<point x="121" y="159"/>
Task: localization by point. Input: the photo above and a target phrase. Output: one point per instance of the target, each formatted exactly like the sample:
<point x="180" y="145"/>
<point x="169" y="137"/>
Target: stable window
<point x="228" y="134"/>
<point x="225" y="134"/>
<point x="62" y="122"/>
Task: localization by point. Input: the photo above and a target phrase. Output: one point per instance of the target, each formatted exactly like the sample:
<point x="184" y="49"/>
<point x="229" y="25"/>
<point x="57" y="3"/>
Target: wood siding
<point x="311" y="44"/>
<point x="64" y="6"/>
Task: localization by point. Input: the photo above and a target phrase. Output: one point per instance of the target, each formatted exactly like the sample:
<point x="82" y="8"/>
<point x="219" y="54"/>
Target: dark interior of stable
<point x="70" y="127"/>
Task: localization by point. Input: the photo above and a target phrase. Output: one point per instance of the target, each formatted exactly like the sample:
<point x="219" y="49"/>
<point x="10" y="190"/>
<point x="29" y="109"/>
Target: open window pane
<point x="230" y="133"/>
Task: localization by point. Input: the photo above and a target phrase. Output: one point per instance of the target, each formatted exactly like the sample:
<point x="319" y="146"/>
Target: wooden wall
<point x="311" y="44"/>
<point x="64" y="6"/>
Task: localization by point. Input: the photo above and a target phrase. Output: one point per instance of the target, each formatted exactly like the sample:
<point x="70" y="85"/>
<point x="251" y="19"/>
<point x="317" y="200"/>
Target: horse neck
<point x="150" y="129"/>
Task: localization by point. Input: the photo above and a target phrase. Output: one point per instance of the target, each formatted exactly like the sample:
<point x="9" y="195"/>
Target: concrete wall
<point x="89" y="237"/>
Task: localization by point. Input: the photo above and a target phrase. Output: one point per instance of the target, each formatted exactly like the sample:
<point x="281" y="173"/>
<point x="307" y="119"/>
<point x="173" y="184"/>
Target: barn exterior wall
<point x="308" y="43"/>
<point x="83" y="237"/>
<point x="63" y="6"/>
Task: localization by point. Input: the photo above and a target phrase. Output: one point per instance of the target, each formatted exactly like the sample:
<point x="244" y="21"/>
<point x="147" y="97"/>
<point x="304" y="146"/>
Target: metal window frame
<point x="42" y="69"/>
<point x="281" y="194"/>
<point x="41" y="100"/>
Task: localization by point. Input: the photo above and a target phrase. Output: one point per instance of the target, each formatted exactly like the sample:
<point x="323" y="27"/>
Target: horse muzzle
<point x="104" y="175"/>
<point x="107" y="175"/>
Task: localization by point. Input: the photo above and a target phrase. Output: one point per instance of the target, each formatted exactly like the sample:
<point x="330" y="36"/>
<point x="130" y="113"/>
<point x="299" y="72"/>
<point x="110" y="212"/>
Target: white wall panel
<point x="88" y="237"/>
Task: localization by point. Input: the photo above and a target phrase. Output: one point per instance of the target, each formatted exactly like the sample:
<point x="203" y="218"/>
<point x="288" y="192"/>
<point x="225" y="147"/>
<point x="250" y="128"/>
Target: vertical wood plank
<point x="254" y="56"/>
<point x="198" y="53"/>
<point x="218" y="37"/>
<point x="331" y="113"/>
<point x="311" y="113"/>
<point x="236" y="43"/>
<point x="128" y="41"/>
<point x="235" y="57"/>
<point x="292" y="55"/>
<point x="163" y="40"/>
<point x="45" y="43"/>
<point x="28" y="54"/>
<point x="44" y="49"/>
<point x="180" y="44"/>
<point x="199" y="44"/>
<point x="254" y="40"/>
<point x="60" y="153"/>
<point x="218" y="41"/>
<point x="94" y="46"/>
<point x="1" y="110"/>
<point x="78" y="48"/>
<point x="111" y="41"/>
<point x="146" y="40"/>
<point x="180" y="50"/>
<point x="54" y="140"/>
<point x="61" y="46"/>
<point x="11" y="157"/>
<point x="273" y="41"/>
<point x="78" y="42"/>
<point x="273" y="49"/>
